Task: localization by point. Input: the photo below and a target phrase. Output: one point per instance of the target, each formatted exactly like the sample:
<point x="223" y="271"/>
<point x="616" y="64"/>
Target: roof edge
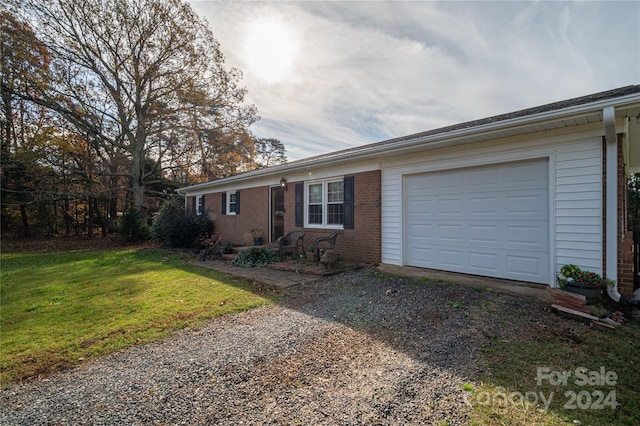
<point x="561" y="109"/>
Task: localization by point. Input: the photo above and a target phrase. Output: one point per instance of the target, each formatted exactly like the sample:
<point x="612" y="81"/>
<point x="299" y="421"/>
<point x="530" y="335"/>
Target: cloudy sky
<point x="327" y="76"/>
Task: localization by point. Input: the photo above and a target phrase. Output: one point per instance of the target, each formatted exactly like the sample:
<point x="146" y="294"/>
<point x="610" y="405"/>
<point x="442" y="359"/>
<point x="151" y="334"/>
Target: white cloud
<point x="368" y="71"/>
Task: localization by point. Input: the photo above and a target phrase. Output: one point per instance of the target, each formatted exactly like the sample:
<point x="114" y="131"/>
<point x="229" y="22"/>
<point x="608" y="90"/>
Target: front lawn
<point x="568" y="374"/>
<point x="61" y="308"/>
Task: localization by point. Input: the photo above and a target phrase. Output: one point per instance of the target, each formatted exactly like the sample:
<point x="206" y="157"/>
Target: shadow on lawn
<point x="472" y="334"/>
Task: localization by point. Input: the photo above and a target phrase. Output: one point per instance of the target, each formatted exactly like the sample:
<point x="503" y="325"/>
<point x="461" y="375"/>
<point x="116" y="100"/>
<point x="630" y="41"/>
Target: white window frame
<point x="235" y="202"/>
<point x="200" y="205"/>
<point x="325" y="204"/>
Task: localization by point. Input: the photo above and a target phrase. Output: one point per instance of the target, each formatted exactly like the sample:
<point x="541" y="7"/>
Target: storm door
<point x="277" y="213"/>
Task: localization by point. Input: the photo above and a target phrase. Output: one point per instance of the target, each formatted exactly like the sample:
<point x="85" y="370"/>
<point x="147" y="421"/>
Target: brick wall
<point x="254" y="213"/>
<point x="625" y="238"/>
<point x="363" y="242"/>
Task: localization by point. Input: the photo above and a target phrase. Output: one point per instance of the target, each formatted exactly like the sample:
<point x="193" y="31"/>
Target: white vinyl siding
<point x="578" y="206"/>
<point x="575" y="193"/>
<point x="391" y="214"/>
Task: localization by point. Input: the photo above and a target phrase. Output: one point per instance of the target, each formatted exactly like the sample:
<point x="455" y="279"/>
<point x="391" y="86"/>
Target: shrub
<point x="173" y="227"/>
<point x="211" y="248"/>
<point x="254" y="257"/>
<point x="133" y="226"/>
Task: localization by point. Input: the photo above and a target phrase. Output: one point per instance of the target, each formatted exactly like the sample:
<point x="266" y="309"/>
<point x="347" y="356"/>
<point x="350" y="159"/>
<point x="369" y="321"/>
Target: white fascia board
<point x="271" y="175"/>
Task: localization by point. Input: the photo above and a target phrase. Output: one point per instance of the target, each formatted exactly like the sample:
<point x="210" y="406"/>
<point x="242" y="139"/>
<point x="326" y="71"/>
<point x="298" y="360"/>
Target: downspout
<point x="185" y="198"/>
<point x="609" y="120"/>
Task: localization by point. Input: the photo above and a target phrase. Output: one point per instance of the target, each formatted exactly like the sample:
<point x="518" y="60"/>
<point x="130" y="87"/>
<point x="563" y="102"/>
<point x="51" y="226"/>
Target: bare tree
<point x="269" y="152"/>
<point x="138" y="79"/>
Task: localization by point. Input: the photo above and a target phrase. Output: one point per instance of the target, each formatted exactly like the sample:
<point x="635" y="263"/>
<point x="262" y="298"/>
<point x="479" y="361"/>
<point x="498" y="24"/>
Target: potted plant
<point x="589" y="284"/>
<point x="256" y="233"/>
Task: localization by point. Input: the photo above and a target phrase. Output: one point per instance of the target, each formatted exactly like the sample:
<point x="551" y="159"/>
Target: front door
<point x="277" y="213"/>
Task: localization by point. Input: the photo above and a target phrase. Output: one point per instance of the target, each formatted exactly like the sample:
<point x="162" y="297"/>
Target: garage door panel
<point x="482" y="180"/>
<point x="450" y="233"/>
<point x="525" y="204"/>
<point x="422" y="256"/>
<point x="451" y="257"/>
<point x="445" y="183"/>
<point x="527" y="236"/>
<point x="526" y="268"/>
<point x="483" y="234"/>
<point x="488" y="221"/>
<point x="483" y="205"/>
<point x="450" y="206"/>
<point x="485" y="262"/>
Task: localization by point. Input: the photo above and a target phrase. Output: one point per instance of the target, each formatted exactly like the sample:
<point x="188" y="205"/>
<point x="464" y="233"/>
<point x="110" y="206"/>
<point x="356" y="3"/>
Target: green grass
<point x="514" y="367"/>
<point x="60" y="308"/>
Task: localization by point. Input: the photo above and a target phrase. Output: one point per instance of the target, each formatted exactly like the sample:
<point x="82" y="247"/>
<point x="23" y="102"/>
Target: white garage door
<point x="490" y="221"/>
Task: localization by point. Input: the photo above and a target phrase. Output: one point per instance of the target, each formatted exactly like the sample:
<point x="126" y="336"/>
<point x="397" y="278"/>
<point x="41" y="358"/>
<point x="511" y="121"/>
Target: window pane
<point x="335" y="214"/>
<point x="201" y="205"/>
<point x="232" y="202"/>
<point x="315" y="214"/>
<point x="315" y="193"/>
<point x="335" y="192"/>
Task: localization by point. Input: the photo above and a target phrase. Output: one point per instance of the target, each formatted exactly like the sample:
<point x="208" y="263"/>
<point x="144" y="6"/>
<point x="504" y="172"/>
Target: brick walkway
<point x="276" y="278"/>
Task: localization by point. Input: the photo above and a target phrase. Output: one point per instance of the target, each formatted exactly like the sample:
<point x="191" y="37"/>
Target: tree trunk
<point x="25" y="220"/>
<point x="67" y="217"/>
<point x="89" y="220"/>
<point x="137" y="167"/>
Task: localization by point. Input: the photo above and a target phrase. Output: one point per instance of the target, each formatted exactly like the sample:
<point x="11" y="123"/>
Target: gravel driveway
<point x="358" y="348"/>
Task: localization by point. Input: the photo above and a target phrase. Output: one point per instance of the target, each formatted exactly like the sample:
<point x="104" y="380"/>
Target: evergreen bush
<point x="255" y="257"/>
<point x="133" y="226"/>
<point x="173" y="227"/>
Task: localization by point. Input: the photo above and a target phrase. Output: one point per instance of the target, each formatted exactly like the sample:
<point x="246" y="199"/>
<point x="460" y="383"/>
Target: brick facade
<point x="254" y="214"/>
<point x="625" y="237"/>
<point x="362" y="243"/>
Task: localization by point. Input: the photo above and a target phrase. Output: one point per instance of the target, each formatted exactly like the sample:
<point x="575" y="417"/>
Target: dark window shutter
<point x="224" y="203"/>
<point x="299" y="204"/>
<point x="348" y="202"/>
<point x="194" y="204"/>
<point x="204" y="209"/>
<point x="237" y="202"/>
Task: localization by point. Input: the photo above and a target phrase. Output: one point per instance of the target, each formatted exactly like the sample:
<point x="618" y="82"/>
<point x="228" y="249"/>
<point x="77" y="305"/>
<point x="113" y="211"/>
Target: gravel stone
<point x="356" y="348"/>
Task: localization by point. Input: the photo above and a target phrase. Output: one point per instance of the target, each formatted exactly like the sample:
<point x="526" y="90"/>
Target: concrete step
<point x="229" y="256"/>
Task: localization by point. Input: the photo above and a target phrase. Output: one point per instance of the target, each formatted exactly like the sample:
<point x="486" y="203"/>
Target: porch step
<point x="229" y="256"/>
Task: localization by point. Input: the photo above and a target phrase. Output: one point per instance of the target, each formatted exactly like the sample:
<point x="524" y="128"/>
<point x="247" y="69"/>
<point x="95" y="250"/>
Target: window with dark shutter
<point x="200" y="205"/>
<point x="231" y="202"/>
<point x="224" y="203"/>
<point x="299" y="204"/>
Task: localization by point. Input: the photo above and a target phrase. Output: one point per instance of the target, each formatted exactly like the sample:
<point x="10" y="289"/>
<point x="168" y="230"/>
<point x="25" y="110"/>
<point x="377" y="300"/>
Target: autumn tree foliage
<point x="125" y="100"/>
